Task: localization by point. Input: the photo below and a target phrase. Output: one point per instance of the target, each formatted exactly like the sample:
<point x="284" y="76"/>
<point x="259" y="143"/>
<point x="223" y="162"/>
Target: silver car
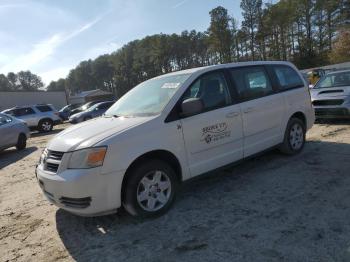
<point x="41" y="117"/>
<point x="331" y="95"/>
<point x="13" y="132"/>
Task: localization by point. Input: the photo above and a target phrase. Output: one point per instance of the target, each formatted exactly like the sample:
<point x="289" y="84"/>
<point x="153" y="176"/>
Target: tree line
<point x="309" y="33"/>
<point x="21" y="81"/>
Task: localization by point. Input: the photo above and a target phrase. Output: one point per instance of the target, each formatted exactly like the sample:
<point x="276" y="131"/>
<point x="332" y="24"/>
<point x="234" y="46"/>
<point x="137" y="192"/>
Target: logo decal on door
<point x="215" y="132"/>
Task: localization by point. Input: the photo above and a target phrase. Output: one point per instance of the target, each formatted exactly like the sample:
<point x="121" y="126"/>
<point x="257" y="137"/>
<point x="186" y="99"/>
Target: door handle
<point x="249" y="110"/>
<point x="232" y="114"/>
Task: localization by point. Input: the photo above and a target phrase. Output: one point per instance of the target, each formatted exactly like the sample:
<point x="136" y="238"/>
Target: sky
<point x="50" y="37"/>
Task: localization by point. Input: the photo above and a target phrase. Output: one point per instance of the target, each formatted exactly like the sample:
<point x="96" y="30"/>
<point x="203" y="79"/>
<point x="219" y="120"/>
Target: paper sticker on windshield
<point x="170" y="85"/>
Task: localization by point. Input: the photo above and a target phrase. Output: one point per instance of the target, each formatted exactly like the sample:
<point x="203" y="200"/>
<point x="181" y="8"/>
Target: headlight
<point x="87" y="158"/>
<point x="43" y="155"/>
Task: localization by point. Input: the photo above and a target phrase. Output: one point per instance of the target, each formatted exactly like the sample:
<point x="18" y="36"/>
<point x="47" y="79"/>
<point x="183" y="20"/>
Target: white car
<point x="172" y="128"/>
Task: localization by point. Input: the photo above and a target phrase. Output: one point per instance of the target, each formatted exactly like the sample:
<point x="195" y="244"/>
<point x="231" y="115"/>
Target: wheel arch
<point x="22" y="133"/>
<point x="45" y="118"/>
<point x="300" y="115"/>
<point x="160" y="154"/>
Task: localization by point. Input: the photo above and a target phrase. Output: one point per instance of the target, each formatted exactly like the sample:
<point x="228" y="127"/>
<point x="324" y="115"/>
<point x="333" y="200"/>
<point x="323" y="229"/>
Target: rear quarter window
<point x="287" y="77"/>
<point x="44" y="108"/>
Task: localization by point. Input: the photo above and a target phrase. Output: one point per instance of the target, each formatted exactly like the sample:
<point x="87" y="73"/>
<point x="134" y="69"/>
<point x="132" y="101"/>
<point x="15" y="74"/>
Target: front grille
<point x="52" y="160"/>
<point x="51" y="167"/>
<point x="331" y="112"/>
<point x="76" y="202"/>
<point x="331" y="102"/>
<point x="55" y="155"/>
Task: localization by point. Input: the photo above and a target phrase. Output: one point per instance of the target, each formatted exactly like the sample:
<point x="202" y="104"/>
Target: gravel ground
<point x="270" y="208"/>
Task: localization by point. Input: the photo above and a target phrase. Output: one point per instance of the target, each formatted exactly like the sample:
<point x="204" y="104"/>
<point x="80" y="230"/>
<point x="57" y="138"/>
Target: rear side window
<point x="251" y="82"/>
<point x="287" y="77"/>
<point x="44" y="108"/>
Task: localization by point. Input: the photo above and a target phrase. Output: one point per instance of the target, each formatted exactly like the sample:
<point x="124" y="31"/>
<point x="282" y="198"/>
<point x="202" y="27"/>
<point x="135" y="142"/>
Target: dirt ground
<point x="270" y="208"/>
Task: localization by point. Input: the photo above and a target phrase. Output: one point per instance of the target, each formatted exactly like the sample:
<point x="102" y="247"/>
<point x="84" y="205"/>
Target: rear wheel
<point x="21" y="142"/>
<point x="150" y="189"/>
<point x="45" y="125"/>
<point x="294" y="137"/>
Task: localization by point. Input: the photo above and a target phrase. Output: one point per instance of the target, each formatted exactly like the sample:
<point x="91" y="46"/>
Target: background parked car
<point x="13" y="132"/>
<point x="331" y="95"/>
<point x="94" y="111"/>
<point x="66" y="112"/>
<point x="41" y="117"/>
<point x="84" y="107"/>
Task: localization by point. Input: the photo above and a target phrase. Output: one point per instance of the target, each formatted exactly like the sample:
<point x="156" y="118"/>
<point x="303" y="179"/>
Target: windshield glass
<point x="334" y="80"/>
<point x="65" y="108"/>
<point x="92" y="108"/>
<point x="149" y="97"/>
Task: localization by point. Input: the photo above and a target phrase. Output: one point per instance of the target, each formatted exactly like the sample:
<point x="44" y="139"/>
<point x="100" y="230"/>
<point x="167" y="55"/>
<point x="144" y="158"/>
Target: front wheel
<point x="21" y="142"/>
<point x="150" y="189"/>
<point x="294" y="137"/>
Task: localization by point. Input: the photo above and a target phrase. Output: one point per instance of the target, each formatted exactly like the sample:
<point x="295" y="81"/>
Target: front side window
<point x="251" y="82"/>
<point x="287" y="77"/>
<point x="334" y="80"/>
<point x="211" y="89"/>
<point x="105" y="106"/>
<point x="27" y="111"/>
<point x="148" y="98"/>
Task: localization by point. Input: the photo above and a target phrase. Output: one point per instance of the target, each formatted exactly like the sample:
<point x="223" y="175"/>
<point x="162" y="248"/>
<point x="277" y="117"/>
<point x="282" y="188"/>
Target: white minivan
<point x="172" y="128"/>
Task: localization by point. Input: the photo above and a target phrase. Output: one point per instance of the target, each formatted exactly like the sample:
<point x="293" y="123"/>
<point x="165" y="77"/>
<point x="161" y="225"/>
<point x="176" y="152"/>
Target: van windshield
<point x="148" y="98"/>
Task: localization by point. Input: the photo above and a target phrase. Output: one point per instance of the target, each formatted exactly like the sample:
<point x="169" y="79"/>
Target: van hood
<point x="92" y="131"/>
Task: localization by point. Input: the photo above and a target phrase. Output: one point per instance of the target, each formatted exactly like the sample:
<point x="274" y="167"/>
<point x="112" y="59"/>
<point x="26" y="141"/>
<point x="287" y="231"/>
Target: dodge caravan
<point x="172" y="128"/>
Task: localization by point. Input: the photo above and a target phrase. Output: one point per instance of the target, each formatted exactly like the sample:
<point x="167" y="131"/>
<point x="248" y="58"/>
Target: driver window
<point x="212" y="89"/>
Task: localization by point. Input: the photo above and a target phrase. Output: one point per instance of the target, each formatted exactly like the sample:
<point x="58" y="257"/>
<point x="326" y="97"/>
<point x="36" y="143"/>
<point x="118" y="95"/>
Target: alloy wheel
<point x="296" y="136"/>
<point x="154" y="191"/>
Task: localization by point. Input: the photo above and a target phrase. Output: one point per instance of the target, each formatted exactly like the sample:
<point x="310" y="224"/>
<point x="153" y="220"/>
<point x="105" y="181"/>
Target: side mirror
<point x="192" y="106"/>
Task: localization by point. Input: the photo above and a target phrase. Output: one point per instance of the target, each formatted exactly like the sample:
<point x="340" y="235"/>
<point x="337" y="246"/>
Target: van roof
<point x="236" y="64"/>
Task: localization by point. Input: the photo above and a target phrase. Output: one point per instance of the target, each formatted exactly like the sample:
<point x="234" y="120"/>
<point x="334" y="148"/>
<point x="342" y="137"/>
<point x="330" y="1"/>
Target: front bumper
<point x="332" y="112"/>
<point x="74" y="120"/>
<point x="84" y="192"/>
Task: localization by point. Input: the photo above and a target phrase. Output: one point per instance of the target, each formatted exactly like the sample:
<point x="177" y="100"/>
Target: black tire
<point x="134" y="189"/>
<point x="295" y="129"/>
<point x="21" y="142"/>
<point x="45" y="125"/>
<point x="87" y="118"/>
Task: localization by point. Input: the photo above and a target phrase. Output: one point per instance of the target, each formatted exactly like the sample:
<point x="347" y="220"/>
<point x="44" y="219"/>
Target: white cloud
<point x="105" y="48"/>
<point x="179" y="4"/>
<point x="55" y="74"/>
<point x="44" y="49"/>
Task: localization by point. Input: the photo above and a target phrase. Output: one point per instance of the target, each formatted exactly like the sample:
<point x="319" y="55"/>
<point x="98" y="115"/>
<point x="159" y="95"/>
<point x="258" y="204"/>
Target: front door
<point x="214" y="137"/>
